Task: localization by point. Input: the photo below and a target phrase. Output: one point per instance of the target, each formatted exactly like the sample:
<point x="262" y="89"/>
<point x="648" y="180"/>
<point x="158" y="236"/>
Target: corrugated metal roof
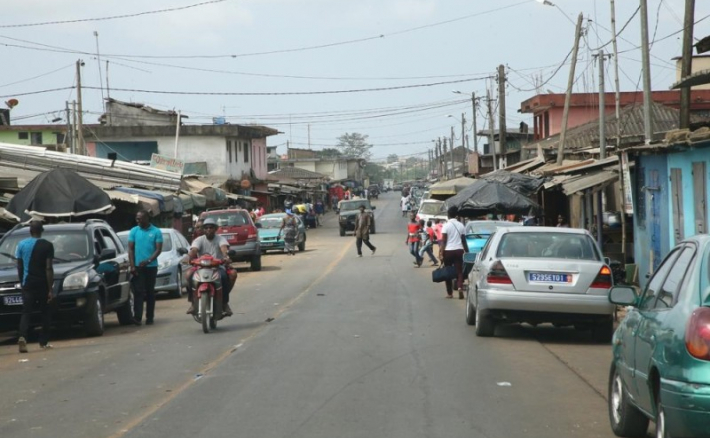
<point x="632" y="125"/>
<point x="595" y="179"/>
<point x="296" y="173"/>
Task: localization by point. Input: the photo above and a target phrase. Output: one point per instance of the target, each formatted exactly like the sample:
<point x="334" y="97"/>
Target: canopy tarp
<point x="165" y="200"/>
<point x="527" y="185"/>
<point x="486" y="197"/>
<point x="59" y="193"/>
<point x="450" y="187"/>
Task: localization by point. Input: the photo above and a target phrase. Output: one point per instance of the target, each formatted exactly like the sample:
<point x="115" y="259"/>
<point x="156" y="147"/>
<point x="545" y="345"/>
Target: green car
<point x="270" y="238"/>
<point x="660" y="369"/>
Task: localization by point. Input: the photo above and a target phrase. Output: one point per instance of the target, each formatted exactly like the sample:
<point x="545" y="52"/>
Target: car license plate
<point x="12" y="300"/>
<point x="536" y="277"/>
<point x="268" y="243"/>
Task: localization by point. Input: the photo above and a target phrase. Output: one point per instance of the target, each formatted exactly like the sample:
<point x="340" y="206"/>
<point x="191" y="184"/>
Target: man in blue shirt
<point x="35" y="269"/>
<point x="145" y="243"/>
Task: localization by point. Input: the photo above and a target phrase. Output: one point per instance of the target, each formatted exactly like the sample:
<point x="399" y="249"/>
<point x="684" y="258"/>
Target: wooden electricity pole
<point x="687" y="63"/>
<point x="81" y="150"/>
<point x="502" y="130"/>
<point x="568" y="96"/>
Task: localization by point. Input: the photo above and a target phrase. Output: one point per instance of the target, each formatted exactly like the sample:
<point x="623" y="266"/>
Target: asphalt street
<point x="323" y="344"/>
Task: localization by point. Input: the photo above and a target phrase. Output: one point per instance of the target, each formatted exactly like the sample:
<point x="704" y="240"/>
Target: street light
<point x="549" y="3"/>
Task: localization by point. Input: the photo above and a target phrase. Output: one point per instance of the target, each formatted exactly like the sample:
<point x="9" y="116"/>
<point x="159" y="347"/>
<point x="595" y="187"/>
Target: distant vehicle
<point x="387" y="184"/>
<point x="237" y="227"/>
<point x="660" y="368"/>
<point x="373" y="191"/>
<point x="536" y="275"/>
<point x="91" y="276"/>
<point x="269" y="232"/>
<point x="397" y="187"/>
<point x="173" y="265"/>
<point x="478" y="232"/>
<point x="430" y="209"/>
<point x="349" y="211"/>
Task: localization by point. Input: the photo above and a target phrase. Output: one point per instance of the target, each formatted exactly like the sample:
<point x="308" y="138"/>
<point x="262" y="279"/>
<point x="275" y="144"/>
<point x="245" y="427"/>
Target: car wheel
<point x="302" y="245"/>
<point x="342" y="231"/>
<point x="603" y="331"/>
<point x="177" y="293"/>
<point x="485" y="324"/>
<point x="470" y="312"/>
<point x="660" y="419"/>
<point x="256" y="262"/>
<point x="626" y="420"/>
<point x="125" y="313"/>
<point x="94" y="320"/>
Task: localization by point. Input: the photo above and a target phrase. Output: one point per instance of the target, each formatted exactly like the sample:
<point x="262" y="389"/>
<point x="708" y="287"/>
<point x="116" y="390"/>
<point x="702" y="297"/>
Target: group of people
<point x="450" y="237"/>
<point x="407" y="204"/>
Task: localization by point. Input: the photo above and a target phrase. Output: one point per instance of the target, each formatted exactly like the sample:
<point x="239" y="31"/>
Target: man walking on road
<point x="34" y="267"/>
<point x="451" y="250"/>
<point x="362" y="231"/>
<point x="145" y="242"/>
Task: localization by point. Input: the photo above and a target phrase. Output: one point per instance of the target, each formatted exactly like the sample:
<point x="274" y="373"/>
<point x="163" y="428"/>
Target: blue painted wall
<point x="684" y="160"/>
<point x="652" y="214"/>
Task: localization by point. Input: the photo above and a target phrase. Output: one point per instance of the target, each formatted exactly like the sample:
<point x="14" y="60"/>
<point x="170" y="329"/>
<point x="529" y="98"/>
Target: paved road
<point x="323" y="344"/>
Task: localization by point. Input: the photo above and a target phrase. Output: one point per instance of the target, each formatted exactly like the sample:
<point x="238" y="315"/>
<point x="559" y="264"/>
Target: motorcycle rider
<point x="217" y="246"/>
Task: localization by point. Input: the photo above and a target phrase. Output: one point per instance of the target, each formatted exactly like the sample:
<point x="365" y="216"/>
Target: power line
<point x="112" y="17"/>
<point x="38" y="76"/>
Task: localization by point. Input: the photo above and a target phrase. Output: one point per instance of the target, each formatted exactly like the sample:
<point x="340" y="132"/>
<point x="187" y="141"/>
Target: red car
<point x="239" y="229"/>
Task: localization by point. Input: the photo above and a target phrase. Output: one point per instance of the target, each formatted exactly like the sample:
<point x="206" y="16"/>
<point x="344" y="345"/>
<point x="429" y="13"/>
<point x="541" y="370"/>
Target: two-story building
<point x="335" y="168"/>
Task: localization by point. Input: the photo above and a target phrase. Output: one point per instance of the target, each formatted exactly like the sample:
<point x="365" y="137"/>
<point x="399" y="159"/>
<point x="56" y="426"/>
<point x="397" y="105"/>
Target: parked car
<point x="477" y="234"/>
<point x="660" y="369"/>
<point x="537" y="275"/>
<point x="430" y="209"/>
<point x="241" y="233"/>
<point x="349" y="211"/>
<point x="173" y="265"/>
<point x="91" y="276"/>
<point x="270" y="237"/>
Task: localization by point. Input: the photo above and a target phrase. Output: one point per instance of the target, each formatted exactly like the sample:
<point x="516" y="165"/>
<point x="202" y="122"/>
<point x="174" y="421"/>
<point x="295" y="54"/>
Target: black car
<point x="349" y="211"/>
<point x="373" y="191"/>
<point x="91" y="276"/>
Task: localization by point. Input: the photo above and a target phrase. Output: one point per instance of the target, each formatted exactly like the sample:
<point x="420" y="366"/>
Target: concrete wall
<point x="305" y="165"/>
<point x="49" y="137"/>
<point x="259" y="151"/>
<point x="700" y="63"/>
<point x="118" y="114"/>
<point x="336" y="170"/>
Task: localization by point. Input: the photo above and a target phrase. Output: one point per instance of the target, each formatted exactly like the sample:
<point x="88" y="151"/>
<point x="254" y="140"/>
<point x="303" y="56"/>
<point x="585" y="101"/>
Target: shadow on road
<point x="545" y="333"/>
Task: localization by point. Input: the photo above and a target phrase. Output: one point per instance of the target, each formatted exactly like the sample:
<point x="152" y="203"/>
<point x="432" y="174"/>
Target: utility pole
<point x="108" y="95"/>
<point x="646" y="71"/>
<point x="602" y="147"/>
<point x="309" y="136"/>
<point x="463" y="139"/>
<point x="451" y="146"/>
<point x="568" y="97"/>
<point x="687" y="62"/>
<point x="80" y="115"/>
<point x="618" y="128"/>
<point x="177" y="134"/>
<point x="69" y="136"/>
<point x="446" y="167"/>
<point x="475" y="132"/>
<point x="502" y="130"/>
<point x="491" y="129"/>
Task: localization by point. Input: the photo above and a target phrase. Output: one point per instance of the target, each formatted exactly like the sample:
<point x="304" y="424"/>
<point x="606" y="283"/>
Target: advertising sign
<point x="166" y="163"/>
<point x="628" y="195"/>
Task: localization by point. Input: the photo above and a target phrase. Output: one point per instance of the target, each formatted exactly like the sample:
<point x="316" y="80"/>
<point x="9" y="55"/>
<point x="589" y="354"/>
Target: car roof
<point x="225" y="210"/>
<point x="270" y="215"/>
<point x="545" y="230"/>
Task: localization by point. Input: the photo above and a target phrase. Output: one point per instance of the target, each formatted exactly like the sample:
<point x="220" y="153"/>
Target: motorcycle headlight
<point x="163" y="265"/>
<point x="76" y="281"/>
<point x="206" y="262"/>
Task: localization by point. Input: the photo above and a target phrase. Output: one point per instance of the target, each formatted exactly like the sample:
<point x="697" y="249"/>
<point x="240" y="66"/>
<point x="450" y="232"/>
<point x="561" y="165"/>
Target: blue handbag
<point x="443" y="273"/>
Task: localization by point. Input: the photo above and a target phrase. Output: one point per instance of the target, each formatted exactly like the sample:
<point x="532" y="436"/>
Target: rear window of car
<point x="548" y="245"/>
<point x="431" y="208"/>
<point x="229" y="219"/>
<point x="354" y="205"/>
<point x="68" y="245"/>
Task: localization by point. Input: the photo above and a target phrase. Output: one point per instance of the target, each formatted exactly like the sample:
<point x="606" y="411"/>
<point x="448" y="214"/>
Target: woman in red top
<point x="413" y="241"/>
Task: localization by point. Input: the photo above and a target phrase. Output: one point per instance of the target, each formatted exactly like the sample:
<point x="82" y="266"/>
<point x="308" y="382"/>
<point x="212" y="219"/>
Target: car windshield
<point x="69" y="246"/>
<point x="228" y="219"/>
<point x="548" y="245"/>
<point x="431" y="208"/>
<point x="270" y="222"/>
<point x="354" y="205"/>
<point x="167" y="242"/>
<point x="486" y="228"/>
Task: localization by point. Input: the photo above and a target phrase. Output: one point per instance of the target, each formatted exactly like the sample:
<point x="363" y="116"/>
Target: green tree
<point x="375" y="172"/>
<point x="354" y="145"/>
<point x="392" y="158"/>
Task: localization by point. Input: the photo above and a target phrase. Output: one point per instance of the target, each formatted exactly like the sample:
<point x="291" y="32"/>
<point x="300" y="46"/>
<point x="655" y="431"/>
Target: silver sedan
<point x="538" y="275"/>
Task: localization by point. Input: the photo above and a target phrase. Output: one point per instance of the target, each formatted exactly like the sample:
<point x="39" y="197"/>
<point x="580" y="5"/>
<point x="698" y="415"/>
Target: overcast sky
<point x="271" y="46"/>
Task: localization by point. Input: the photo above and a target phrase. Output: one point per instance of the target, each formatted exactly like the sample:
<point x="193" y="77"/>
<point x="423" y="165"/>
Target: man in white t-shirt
<point x="451" y="250"/>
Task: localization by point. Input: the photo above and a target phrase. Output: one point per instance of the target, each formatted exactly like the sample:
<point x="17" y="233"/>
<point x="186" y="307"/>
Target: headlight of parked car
<point x="163" y="265"/>
<point x="343" y="218"/>
<point x="76" y="281"/>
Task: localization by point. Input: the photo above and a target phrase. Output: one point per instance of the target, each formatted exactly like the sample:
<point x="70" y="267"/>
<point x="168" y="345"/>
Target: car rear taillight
<point x="697" y="334"/>
<point x="253" y="234"/>
<point x="603" y="280"/>
<point x="498" y="275"/>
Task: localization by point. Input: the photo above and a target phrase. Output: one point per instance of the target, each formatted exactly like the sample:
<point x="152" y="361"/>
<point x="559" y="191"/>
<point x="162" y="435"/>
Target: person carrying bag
<point x="451" y="250"/>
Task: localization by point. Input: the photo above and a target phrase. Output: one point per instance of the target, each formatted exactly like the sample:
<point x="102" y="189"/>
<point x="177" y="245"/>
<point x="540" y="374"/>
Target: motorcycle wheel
<point x="204" y="317"/>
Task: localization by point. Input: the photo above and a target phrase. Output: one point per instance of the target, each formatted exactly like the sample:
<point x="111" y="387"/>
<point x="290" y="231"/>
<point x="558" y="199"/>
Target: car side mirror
<point x="107" y="254"/>
<point x="623" y="295"/>
<point x="607" y="261"/>
<point x="182" y="251"/>
<point x="258" y="225"/>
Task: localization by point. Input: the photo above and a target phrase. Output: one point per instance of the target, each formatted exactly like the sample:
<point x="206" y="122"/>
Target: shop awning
<point x="597" y="181"/>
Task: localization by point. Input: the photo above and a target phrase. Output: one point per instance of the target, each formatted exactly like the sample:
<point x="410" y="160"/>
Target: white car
<point x="431" y="209"/>
<point x="538" y="275"/>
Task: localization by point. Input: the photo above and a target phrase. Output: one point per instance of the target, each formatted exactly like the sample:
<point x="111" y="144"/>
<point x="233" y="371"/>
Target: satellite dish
<point x="12" y="103"/>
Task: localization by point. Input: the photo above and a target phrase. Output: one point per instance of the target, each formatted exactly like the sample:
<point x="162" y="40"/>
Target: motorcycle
<point x="207" y="292"/>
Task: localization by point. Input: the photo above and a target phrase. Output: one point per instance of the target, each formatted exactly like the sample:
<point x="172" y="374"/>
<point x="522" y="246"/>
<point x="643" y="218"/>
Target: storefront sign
<point x="628" y="195"/>
<point x="166" y="163"/>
